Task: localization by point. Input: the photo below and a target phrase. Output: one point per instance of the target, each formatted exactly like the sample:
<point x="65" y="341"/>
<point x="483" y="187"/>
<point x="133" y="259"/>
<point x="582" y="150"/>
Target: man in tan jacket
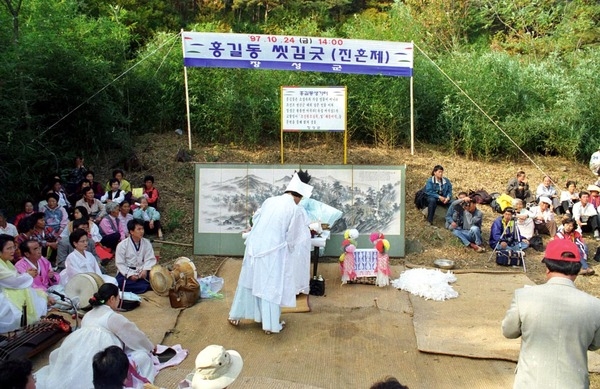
<point x="557" y="324"/>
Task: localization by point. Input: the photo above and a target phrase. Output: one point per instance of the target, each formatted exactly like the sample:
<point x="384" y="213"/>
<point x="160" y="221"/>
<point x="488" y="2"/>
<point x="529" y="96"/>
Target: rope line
<point x="482" y="111"/>
<point x="109" y="84"/>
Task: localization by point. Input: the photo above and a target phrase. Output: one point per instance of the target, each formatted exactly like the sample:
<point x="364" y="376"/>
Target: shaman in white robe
<point x="267" y="281"/>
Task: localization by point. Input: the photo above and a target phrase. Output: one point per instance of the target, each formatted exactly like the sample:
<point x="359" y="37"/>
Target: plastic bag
<point x="210" y="287"/>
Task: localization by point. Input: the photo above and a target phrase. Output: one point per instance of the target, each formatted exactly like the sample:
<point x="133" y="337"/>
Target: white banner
<point x="282" y="52"/>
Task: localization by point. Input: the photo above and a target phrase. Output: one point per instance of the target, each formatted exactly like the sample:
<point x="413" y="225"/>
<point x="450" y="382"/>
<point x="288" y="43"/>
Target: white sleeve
<point x="131" y="336"/>
<point x="16" y="281"/>
<point x="149" y="258"/>
<point x="95" y="232"/>
<point x="120" y="261"/>
<point x="119" y="199"/>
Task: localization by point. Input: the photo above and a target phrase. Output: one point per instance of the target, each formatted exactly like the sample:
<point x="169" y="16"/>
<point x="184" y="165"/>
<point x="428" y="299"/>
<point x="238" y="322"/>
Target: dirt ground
<point x="157" y="155"/>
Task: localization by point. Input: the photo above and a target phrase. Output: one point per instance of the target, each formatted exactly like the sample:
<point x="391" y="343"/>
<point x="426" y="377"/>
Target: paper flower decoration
<point x="347" y="257"/>
<point x="382" y="269"/>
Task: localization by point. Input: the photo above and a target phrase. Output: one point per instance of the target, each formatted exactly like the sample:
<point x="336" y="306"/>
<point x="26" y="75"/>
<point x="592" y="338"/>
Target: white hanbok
<point x="279" y="237"/>
<point x="70" y="366"/>
<point x="76" y="263"/>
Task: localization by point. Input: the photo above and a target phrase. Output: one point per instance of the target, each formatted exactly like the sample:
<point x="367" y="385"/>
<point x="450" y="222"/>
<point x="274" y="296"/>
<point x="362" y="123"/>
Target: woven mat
<point x="154" y="316"/>
<point x="354" y="336"/>
<point x="302" y="305"/>
<point x="470" y="325"/>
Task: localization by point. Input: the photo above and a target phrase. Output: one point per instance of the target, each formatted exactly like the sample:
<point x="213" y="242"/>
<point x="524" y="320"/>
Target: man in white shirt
<point x="134" y="259"/>
<point x="543" y="217"/>
<point x="586" y="215"/>
<point x="6" y="227"/>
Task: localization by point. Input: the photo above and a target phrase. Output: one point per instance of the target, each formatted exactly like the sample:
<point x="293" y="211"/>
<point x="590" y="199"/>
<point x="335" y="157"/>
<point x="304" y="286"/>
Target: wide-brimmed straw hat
<point x="161" y="280"/>
<point x="593" y="188"/>
<point x="216" y="368"/>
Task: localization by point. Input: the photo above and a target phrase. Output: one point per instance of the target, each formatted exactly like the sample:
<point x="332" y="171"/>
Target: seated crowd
<point x="75" y="228"/>
<point x="565" y="214"/>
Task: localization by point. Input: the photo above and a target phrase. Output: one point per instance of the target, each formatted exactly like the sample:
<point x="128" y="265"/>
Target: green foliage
<point x="539" y="105"/>
<point x="542" y="27"/>
<point x="47" y="77"/>
<point x="173" y="219"/>
<point x="84" y="77"/>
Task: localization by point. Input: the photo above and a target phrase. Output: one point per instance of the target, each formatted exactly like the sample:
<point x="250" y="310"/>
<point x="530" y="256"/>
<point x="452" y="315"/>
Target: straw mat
<point x="302" y="305"/>
<point x="470" y="325"/>
<point x="354" y="336"/>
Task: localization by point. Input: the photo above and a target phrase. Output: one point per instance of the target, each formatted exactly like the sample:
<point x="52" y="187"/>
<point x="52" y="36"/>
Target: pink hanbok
<point x="42" y="281"/>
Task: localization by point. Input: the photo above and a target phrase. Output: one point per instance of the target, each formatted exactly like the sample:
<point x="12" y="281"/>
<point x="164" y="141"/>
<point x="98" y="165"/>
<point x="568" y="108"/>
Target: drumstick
<point x="122" y="292"/>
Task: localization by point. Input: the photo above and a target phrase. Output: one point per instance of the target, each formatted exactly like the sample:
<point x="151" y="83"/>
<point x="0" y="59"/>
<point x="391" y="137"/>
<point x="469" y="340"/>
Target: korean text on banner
<point x="282" y="52"/>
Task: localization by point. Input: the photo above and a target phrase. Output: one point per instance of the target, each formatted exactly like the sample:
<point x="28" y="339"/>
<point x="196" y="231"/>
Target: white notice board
<point x="320" y="108"/>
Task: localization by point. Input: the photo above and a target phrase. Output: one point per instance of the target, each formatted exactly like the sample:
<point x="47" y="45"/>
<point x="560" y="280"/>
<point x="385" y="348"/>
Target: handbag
<point x="509" y="258"/>
<point x="185" y="293"/>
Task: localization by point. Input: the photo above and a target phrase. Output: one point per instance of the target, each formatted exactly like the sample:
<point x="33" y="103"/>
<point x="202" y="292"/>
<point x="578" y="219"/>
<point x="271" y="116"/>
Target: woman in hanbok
<point x="267" y="280"/>
<point x="16" y="291"/>
<point x="125" y="214"/>
<point x="70" y="366"/>
<point x="81" y="260"/>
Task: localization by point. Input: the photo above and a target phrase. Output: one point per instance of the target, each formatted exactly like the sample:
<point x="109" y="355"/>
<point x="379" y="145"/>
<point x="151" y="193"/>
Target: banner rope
<point x="112" y="82"/>
<point x="482" y="111"/>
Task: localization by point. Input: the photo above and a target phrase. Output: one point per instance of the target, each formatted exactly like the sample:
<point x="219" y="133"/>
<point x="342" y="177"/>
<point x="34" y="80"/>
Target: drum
<point x="186" y="266"/>
<point x="83" y="286"/>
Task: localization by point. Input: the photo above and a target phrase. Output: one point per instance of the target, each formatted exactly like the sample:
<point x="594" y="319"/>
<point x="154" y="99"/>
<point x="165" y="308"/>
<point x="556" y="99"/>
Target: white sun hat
<point x="216" y="368"/>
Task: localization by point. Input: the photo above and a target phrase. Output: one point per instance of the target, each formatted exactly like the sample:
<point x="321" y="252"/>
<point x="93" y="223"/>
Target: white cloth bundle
<point x="431" y="284"/>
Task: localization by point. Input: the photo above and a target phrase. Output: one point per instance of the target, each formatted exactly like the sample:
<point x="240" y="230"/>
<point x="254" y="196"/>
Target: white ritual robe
<point x="275" y="248"/>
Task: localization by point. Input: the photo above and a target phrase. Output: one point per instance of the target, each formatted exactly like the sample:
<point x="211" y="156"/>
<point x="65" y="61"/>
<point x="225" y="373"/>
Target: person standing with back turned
<point x="267" y="282"/>
<point x="557" y="324"/>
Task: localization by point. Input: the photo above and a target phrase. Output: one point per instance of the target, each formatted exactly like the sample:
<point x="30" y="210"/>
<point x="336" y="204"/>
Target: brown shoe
<point x="477" y="248"/>
<point x="587" y="272"/>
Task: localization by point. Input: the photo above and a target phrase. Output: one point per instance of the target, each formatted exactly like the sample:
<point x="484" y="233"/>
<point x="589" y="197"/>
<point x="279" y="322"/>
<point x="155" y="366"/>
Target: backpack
<point x="537" y="243"/>
<point x="480" y="196"/>
<point x="503" y="201"/>
<point x="421" y="199"/>
<point x="496" y="206"/>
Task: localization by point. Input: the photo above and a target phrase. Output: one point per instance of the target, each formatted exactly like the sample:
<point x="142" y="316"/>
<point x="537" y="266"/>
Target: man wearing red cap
<point x="557" y="324"/>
